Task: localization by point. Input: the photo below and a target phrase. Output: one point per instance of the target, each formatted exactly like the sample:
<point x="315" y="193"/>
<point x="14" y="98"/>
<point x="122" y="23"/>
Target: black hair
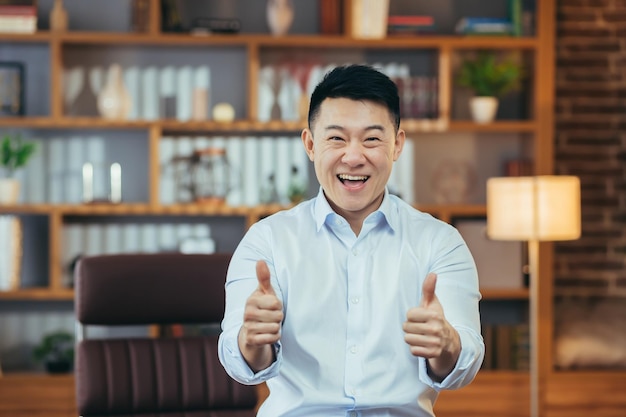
<point x="356" y="82"/>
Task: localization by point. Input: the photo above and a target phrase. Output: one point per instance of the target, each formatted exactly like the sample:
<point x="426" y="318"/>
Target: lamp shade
<point x="542" y="208"/>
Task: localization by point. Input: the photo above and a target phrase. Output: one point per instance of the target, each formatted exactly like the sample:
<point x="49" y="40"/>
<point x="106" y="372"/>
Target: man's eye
<point x="372" y="139"/>
<point x="335" y="138"/>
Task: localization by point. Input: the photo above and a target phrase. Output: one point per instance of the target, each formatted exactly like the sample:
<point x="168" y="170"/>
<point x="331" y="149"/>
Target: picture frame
<point x="12" y="84"/>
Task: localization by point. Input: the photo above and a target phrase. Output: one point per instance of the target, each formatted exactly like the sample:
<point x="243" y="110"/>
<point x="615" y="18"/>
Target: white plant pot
<point x="9" y="191"/>
<point x="483" y="109"/>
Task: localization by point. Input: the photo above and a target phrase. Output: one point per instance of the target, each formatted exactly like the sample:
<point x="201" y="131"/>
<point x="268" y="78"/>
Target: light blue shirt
<point x="345" y="297"/>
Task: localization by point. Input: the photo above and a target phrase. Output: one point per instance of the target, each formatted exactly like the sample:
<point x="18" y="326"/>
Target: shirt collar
<point x="388" y="210"/>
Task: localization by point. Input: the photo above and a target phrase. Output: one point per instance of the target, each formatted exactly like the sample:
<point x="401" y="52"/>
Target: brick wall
<point x="591" y="142"/>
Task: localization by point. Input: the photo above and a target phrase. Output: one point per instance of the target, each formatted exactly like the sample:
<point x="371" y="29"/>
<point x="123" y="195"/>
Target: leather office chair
<point x="150" y="377"/>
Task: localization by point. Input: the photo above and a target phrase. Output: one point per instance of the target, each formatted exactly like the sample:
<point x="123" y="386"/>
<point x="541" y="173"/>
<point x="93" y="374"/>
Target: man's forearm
<point x="257" y="357"/>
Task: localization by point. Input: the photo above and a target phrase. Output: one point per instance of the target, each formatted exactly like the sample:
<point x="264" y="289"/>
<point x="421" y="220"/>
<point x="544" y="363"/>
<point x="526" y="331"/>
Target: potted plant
<point x="490" y="78"/>
<point x="14" y="154"/>
<point x="56" y="351"/>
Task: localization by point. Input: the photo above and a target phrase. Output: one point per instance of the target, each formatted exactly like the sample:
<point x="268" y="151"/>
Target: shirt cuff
<point x="238" y="368"/>
<point x="468" y="364"/>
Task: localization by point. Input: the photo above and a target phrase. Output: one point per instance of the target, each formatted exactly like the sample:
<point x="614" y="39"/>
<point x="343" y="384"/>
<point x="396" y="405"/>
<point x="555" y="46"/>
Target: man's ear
<point x="400" y="138"/>
<point x="307" y="141"/>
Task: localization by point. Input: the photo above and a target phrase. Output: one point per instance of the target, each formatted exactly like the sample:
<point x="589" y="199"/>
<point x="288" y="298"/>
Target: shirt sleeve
<point x="241" y="281"/>
<point x="458" y="293"/>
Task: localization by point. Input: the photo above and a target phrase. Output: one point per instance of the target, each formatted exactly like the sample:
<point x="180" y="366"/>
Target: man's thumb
<point x="428" y="289"/>
<point x="263" y="275"/>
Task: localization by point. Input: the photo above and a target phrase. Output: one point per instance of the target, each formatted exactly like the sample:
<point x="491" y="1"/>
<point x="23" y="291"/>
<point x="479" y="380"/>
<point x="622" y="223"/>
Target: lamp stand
<point x="533" y="258"/>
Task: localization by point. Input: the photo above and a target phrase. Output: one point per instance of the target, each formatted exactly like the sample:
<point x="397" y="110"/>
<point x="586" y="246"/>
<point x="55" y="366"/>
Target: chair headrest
<point x="129" y="289"/>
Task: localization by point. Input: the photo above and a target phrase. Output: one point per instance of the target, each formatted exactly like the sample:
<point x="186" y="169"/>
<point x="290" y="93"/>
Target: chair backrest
<point x="139" y="376"/>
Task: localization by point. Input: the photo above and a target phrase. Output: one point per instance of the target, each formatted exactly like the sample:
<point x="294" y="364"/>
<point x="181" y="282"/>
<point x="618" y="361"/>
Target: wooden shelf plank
<point x="37" y="37"/>
<point x="67" y="294"/>
<point x="455" y="210"/>
<point x="298" y="41"/>
<point x="505" y="293"/>
<point x="37" y="294"/>
<point x="202" y="127"/>
<point x="529" y="126"/>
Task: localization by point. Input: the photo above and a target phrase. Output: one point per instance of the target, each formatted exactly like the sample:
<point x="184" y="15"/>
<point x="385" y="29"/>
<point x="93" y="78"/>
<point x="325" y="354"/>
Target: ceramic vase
<point x="279" y="16"/>
<point x="114" y="101"/>
<point x="9" y="191"/>
<point x="483" y="109"/>
<point x="58" y="17"/>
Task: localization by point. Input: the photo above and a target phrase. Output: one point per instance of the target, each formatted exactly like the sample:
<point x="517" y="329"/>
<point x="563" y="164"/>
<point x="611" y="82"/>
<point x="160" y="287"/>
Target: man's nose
<point x="353" y="154"/>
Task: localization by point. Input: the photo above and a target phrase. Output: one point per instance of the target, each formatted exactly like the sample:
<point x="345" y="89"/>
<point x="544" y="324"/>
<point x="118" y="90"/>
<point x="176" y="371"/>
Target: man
<point x="352" y="303"/>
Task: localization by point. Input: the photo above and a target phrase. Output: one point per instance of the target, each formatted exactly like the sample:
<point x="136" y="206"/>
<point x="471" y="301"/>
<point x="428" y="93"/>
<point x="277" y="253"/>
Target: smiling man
<point x="352" y="303"/>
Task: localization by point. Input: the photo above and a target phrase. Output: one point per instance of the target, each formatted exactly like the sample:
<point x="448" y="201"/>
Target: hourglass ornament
<point x="206" y="174"/>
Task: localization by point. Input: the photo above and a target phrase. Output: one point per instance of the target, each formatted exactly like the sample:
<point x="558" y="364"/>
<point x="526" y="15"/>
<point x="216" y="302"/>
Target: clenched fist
<point x="262" y="319"/>
<point x="428" y="333"/>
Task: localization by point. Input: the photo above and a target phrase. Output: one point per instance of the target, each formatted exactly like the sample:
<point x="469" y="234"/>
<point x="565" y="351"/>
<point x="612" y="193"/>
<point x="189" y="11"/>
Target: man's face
<point x="353" y="146"/>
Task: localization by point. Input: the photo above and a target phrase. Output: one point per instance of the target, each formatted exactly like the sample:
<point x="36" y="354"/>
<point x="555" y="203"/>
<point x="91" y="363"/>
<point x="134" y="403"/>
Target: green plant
<point x="490" y="76"/>
<point x="15" y="153"/>
<point x="55" y="347"/>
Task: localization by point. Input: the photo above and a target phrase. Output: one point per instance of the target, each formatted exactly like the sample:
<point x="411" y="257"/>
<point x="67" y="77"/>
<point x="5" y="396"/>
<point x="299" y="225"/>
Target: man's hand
<point x="429" y="335"/>
<point x="262" y="318"/>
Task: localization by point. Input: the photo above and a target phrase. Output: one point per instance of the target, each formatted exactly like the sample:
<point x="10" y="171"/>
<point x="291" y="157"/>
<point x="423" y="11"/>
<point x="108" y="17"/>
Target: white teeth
<point x="352" y="177"/>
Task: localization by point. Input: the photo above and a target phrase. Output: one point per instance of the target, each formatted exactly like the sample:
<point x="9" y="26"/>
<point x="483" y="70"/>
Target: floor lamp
<point x="534" y="209"/>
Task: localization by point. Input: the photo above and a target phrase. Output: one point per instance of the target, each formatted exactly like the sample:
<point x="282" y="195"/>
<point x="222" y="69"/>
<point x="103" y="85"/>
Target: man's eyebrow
<point x="368" y="128"/>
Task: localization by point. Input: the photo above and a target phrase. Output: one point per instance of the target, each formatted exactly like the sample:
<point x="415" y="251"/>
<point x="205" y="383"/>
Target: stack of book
<point x="519" y="22"/>
<point x="18" y="16"/>
<point x="410" y="24"/>
<point x="507" y="346"/>
<point x="10" y="252"/>
<point x="419" y="97"/>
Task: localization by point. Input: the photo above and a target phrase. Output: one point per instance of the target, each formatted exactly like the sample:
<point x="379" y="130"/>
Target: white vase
<point x="9" y="191"/>
<point x="279" y="16"/>
<point x="114" y="100"/>
<point x="483" y="109"/>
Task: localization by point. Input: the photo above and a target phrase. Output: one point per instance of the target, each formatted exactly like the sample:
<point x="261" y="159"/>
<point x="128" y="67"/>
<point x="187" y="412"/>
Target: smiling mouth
<point x="351" y="179"/>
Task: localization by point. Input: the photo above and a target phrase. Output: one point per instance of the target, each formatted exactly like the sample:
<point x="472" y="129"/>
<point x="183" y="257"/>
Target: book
<point x="515" y="16"/>
<point x="17" y="10"/>
<point x="406" y="24"/>
<point x="503" y="346"/>
<point x="18" y="24"/>
<point x="487" y="331"/>
<point x="18" y="18"/>
<point x="236" y="161"/>
<point x="331" y="18"/>
<point x="484" y="25"/>
<point x="10" y="252"/>
<point x="410" y="20"/>
<point x="132" y="82"/>
<point x="167" y="180"/>
<point x="184" y="93"/>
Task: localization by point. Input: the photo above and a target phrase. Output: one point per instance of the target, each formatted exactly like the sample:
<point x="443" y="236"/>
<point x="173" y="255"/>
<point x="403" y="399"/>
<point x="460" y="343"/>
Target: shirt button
<point x="353" y="413"/>
<point x="338" y="222"/>
<point x="355" y="252"/>
<point x="354" y="300"/>
<point x="354" y="349"/>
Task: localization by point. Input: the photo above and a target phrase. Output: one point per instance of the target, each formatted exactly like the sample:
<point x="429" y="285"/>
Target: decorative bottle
<point x="58" y="17"/>
<point x="114" y="101"/>
<point x="279" y="16"/>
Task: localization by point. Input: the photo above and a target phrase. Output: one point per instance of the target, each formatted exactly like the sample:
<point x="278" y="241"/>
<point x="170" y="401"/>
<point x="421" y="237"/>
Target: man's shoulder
<point x="410" y="215"/>
<point x="299" y="213"/>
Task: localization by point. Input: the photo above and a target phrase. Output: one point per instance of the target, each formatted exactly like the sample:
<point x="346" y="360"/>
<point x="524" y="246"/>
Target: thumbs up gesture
<point x="428" y="333"/>
<point x="262" y="319"/>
